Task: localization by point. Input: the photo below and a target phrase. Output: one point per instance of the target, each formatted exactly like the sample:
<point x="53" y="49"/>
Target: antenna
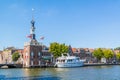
<point x="32" y="13"/>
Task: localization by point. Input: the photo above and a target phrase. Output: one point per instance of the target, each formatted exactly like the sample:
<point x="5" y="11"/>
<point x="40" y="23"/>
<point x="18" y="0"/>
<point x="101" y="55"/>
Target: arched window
<point x="31" y="62"/>
<point x="39" y="54"/>
<point x="39" y="62"/>
<point x="26" y="55"/>
<point x="26" y="63"/>
<point x="32" y="54"/>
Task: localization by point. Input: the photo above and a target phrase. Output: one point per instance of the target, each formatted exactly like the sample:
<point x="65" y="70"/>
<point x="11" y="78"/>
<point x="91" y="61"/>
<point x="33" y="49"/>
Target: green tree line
<point x="57" y="49"/>
<point x="103" y="53"/>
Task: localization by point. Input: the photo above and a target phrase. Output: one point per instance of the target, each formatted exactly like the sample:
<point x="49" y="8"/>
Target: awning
<point x="46" y="57"/>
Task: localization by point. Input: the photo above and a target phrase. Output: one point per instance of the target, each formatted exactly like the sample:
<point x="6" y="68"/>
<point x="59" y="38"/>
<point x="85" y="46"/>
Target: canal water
<point x="80" y="73"/>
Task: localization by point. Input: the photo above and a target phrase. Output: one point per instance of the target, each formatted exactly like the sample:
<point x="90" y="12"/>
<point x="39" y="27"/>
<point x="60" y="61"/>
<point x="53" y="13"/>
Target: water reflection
<point x="45" y="73"/>
<point x="32" y="71"/>
<point x="80" y="73"/>
<point x="61" y="69"/>
<point x="32" y="78"/>
<point x="103" y="67"/>
<point x="31" y="74"/>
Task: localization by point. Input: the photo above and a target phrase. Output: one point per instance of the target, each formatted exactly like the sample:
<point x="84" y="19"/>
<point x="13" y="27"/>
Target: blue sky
<point x="79" y="23"/>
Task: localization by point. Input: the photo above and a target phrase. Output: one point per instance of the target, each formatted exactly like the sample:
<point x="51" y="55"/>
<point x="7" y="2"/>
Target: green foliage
<point x="98" y="53"/>
<point x="118" y="56"/>
<point x="15" y="56"/>
<point x="108" y="53"/>
<point x="57" y="49"/>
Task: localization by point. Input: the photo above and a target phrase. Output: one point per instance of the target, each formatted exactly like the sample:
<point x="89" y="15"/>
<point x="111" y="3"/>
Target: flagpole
<point x="41" y="38"/>
<point x="32" y="13"/>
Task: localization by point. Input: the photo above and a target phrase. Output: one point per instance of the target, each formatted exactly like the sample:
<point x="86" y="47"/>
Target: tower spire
<point x="32" y="13"/>
<point x="32" y="30"/>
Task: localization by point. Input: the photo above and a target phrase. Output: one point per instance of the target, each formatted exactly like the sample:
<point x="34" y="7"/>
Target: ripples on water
<point x="31" y="78"/>
<point x="81" y="73"/>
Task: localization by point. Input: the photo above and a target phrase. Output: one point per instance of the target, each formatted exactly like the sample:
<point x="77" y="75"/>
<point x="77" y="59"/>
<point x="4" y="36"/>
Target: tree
<point x="57" y="49"/>
<point x="15" y="56"/>
<point x="63" y="48"/>
<point x="98" y="53"/>
<point x="118" y="56"/>
<point x="108" y="53"/>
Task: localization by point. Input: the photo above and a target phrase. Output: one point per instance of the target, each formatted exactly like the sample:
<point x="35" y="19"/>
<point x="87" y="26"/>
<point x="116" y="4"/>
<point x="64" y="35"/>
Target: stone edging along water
<point x="85" y="65"/>
<point x="99" y="64"/>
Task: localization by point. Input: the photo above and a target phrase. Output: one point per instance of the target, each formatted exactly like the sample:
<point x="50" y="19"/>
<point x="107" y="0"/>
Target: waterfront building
<point x="70" y="50"/>
<point x="1" y="57"/>
<point x="32" y="50"/>
<point x="47" y="57"/>
<point x="84" y="53"/>
<point x="35" y="54"/>
<point x="103" y="60"/>
<point x="116" y="51"/>
<point x="20" y="60"/>
<point x="6" y="55"/>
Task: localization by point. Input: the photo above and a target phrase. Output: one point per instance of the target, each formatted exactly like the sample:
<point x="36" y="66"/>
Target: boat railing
<point x="83" y="60"/>
<point x="67" y="54"/>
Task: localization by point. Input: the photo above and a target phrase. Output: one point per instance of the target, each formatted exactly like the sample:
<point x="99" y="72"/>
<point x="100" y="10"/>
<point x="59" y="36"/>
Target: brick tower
<point x="32" y="50"/>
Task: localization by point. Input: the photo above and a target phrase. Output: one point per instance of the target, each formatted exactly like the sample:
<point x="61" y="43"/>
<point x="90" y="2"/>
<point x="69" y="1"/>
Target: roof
<point x="0" y="52"/>
<point x="91" y="50"/>
<point x="10" y="48"/>
<point x="74" y="50"/>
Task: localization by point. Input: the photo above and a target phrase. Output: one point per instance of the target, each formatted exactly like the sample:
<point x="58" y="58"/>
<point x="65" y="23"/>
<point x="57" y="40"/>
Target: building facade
<point x="6" y="55"/>
<point x="1" y="57"/>
<point x="32" y="50"/>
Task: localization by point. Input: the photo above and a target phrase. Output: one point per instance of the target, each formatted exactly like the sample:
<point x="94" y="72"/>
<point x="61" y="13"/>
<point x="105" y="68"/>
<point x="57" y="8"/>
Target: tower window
<point x="31" y="62"/>
<point x="32" y="54"/>
<point x="39" y="54"/>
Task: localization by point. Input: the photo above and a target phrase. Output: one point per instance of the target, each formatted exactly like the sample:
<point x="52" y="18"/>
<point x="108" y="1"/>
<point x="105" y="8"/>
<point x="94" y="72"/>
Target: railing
<point x="30" y="43"/>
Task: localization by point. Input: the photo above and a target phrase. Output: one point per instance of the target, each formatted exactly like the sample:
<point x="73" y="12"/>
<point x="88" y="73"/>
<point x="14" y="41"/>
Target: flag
<point x="42" y="37"/>
<point x="29" y="36"/>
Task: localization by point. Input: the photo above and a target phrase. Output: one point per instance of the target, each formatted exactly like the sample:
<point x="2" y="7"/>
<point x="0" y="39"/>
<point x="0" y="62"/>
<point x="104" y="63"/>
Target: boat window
<point x="77" y="58"/>
<point x="63" y="60"/>
<point x="60" y="60"/>
<point x="69" y="60"/>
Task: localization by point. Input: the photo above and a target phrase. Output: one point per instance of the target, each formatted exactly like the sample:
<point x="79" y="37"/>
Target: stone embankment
<point x="100" y="64"/>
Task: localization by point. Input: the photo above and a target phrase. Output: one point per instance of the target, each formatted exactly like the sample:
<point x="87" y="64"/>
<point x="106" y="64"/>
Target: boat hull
<point x="67" y="65"/>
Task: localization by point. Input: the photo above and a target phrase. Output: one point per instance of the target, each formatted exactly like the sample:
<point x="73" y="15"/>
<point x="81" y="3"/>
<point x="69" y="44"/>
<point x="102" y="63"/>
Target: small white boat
<point x="69" y="61"/>
<point x="4" y="67"/>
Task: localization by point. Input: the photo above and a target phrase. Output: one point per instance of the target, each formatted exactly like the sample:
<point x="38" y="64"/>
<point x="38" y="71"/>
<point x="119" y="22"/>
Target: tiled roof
<point x="74" y="49"/>
<point x="91" y="50"/>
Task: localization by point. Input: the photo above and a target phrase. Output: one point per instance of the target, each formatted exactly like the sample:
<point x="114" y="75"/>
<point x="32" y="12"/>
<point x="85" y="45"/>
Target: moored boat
<point x="69" y="61"/>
